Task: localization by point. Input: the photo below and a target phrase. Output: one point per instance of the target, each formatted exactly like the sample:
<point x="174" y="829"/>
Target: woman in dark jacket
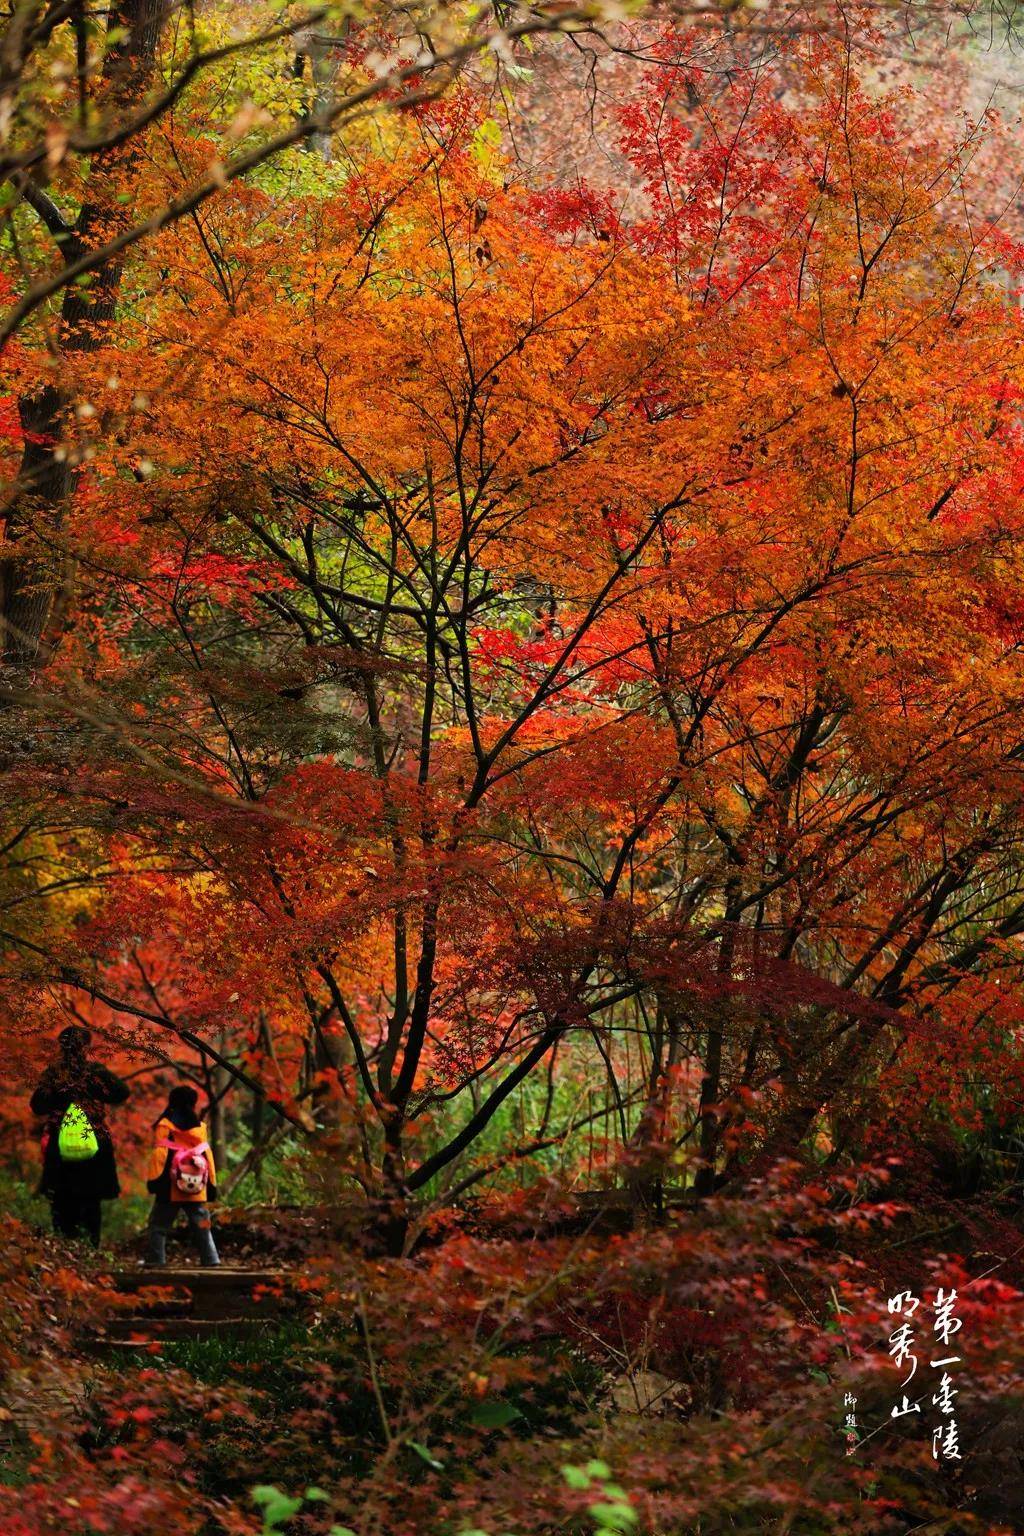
<point x="75" y="1189"/>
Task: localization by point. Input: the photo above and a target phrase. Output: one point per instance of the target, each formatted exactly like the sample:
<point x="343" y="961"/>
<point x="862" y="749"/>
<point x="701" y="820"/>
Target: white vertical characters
<point x="946" y="1436"/>
<point x="901" y="1348"/>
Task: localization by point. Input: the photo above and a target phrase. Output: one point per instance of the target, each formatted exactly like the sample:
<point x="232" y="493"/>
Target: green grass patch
<point x="232" y="1355"/>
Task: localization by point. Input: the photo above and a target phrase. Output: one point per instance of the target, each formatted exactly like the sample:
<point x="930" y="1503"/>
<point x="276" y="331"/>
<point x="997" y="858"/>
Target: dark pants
<point x="73" y="1214"/>
<point x="162" y="1220"/>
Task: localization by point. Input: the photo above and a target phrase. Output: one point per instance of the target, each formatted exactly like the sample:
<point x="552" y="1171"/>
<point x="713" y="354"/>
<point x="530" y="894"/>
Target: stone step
<point x="149" y="1309"/>
<point x="221" y="1277"/>
<point x="182" y="1302"/>
<point x="215" y="1293"/>
<point x="145" y="1336"/>
<point x="168" y="1328"/>
<point x="212" y="1309"/>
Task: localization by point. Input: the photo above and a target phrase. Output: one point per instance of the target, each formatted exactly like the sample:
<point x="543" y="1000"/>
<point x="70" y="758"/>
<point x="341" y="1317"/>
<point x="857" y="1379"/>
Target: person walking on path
<point x="79" y="1166"/>
<point x="182" y="1177"/>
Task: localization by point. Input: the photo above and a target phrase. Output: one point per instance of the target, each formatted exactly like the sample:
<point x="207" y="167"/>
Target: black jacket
<point x="93" y="1087"/>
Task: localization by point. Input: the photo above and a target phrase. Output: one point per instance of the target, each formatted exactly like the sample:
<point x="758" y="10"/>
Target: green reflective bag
<point x="76" y="1139"/>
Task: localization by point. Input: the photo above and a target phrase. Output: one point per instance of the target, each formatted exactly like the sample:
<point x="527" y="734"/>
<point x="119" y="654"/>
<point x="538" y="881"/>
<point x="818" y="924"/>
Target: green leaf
<point x="486" y="142"/>
<point x="317" y="1496"/>
<point x="576" y="1477"/>
<point x="421" y="1450"/>
<point x="277" y="1506"/>
<point x="281" y="1512"/>
<point x="598" y="1469"/>
<point x="494" y="1414"/>
<point x="613" y="1517"/>
<point x="341" y="1530"/>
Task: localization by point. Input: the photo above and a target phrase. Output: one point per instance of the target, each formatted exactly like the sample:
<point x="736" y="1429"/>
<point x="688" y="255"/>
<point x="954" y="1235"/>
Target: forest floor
<point x="560" y="1331"/>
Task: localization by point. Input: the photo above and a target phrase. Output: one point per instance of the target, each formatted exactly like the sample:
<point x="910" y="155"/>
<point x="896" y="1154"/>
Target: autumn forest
<point x="512" y="762"/>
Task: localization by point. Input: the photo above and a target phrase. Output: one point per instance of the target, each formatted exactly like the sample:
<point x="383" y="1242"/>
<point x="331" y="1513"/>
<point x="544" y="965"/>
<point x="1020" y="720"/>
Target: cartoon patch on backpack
<point x="189" y="1170"/>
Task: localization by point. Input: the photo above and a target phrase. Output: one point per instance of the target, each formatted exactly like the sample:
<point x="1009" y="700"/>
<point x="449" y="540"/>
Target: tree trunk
<point x="650" y="1142"/>
<point x="711" y="1085"/>
<point x="394" y="1206"/>
<point x="217" y="1119"/>
<point x="29" y="578"/>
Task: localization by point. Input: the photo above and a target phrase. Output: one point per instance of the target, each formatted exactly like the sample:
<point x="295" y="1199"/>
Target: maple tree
<point x="636" y="595"/>
<point x="78" y="100"/>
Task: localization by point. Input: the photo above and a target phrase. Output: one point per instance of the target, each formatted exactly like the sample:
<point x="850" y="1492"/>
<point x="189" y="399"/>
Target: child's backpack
<point x="189" y="1170"/>
<point x="76" y="1139"/>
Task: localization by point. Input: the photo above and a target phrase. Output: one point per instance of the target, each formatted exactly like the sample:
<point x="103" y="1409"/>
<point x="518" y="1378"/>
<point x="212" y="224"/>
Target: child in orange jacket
<point x="182" y="1176"/>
